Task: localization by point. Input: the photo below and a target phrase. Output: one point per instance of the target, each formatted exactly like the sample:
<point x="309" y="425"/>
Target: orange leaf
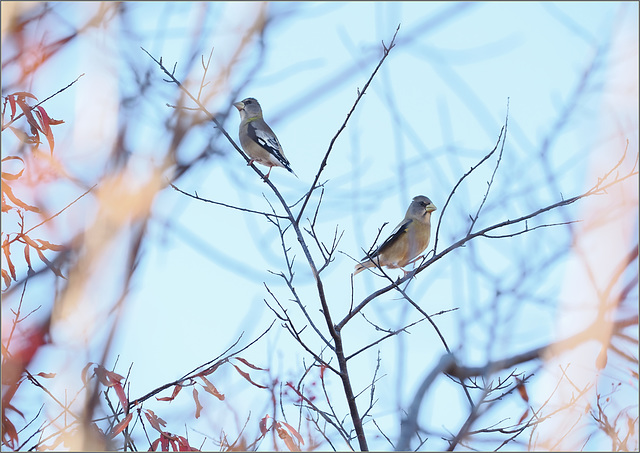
<point x="7" y="255"/>
<point x="523" y="416"/>
<point x="27" y="256"/>
<point x="284" y="435"/>
<point x="209" y="387"/>
<point x="46" y="375"/>
<point x="9" y="193"/>
<point x="198" y="405"/>
<point x="249" y="364"/>
<point x="523" y="391"/>
<point x="49" y="246"/>
<point x="12" y="176"/>
<point x="248" y="378"/>
<point x="122" y="425"/>
<point x="12" y="102"/>
<point x="293" y="431"/>
<point x="24" y="94"/>
<point x="6" y="278"/>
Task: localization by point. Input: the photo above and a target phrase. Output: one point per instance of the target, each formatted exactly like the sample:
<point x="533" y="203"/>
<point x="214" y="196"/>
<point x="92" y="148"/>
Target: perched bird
<point x="407" y="241"/>
<point x="257" y="138"/>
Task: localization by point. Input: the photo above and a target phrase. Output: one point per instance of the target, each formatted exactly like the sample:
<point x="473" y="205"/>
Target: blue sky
<point x="435" y="109"/>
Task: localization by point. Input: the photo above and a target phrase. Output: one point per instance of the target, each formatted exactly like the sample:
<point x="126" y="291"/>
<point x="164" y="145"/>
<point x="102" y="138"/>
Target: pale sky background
<point x="435" y="109"/>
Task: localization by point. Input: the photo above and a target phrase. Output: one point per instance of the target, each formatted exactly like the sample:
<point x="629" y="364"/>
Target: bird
<point x="407" y="241"/>
<point x="257" y="138"/>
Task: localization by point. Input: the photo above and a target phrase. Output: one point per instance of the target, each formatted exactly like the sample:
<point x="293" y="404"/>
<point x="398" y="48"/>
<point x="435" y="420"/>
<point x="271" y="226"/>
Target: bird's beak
<point x="239" y="105"/>
<point x="431" y="208"/>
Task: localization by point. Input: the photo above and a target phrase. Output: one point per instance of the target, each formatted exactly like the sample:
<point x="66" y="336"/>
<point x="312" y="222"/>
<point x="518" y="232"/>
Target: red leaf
<point x="248" y="378"/>
<point x="249" y="364"/>
<point x="46" y="375"/>
<point x="154" y="420"/>
<point x="198" y="405"/>
<point x="176" y="390"/>
<point x="183" y="444"/>
<point x="24" y="94"/>
<point x="124" y="402"/>
<point x="209" y="387"/>
<point x="26" y="109"/>
<point x="122" y="425"/>
<point x="263" y="425"/>
<point x="12" y="103"/>
<point x="46" y="128"/>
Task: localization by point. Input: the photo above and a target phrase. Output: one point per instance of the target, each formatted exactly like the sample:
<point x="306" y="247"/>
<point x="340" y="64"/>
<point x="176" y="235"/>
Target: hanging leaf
<point x="154" y="420"/>
<point x="248" y="378"/>
<point x="293" y="431"/>
<point x="250" y="365"/>
<point x="210" y="388"/>
<point x="7" y="256"/>
<point x="176" y="390"/>
<point x="49" y="246"/>
<point x="198" y="405"/>
<point x="46" y="375"/>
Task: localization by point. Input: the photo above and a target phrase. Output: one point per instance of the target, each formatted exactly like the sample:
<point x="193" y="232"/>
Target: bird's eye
<point x="248" y="101"/>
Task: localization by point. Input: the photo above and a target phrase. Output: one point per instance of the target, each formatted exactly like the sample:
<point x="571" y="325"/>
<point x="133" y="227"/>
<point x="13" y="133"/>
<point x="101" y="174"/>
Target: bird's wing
<point x="396" y="234"/>
<point x="269" y="142"/>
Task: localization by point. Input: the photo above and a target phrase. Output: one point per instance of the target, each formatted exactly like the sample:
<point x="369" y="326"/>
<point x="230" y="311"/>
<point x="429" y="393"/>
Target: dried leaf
<point x="46" y="375"/>
<point x="6" y="189"/>
<point x="526" y="413"/>
<point x="49" y="246"/>
<point x="248" y="378"/>
<point x="250" y="365"/>
<point x="24" y="94"/>
<point x="12" y="103"/>
<point x="154" y="420"/>
<point x="7" y="255"/>
<point x="6" y="278"/>
<point x="9" y="431"/>
<point x="183" y="444"/>
<point x="210" y="388"/>
<point x="45" y="121"/>
<point x="83" y="375"/>
<point x="27" y="256"/>
<point x="198" y="405"/>
<point x="12" y="176"/>
<point x="293" y="431"/>
<point x="522" y="391"/>
<point x="263" y="425"/>
<point x="124" y="402"/>
<point x="284" y="435"/>
<point x="49" y="264"/>
<point x="176" y="390"/>
<point x="122" y="425"/>
<point x="26" y="109"/>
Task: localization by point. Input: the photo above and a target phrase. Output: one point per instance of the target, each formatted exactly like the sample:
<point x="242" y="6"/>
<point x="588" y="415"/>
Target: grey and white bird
<point x="257" y="139"/>
<point x="409" y="239"/>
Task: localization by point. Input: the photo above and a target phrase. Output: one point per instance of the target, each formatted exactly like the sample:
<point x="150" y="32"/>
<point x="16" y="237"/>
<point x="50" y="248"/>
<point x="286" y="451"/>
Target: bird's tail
<point x="362" y="266"/>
